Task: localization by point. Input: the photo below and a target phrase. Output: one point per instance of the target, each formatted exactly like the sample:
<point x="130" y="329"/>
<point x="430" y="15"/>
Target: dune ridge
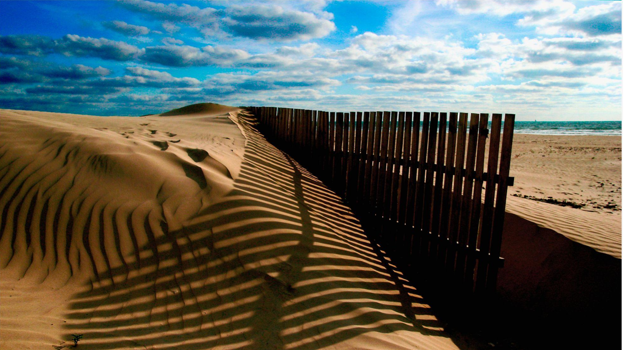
<point x="112" y="235"/>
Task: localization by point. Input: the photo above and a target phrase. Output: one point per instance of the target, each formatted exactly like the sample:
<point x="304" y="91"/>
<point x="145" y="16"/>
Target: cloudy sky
<point x="544" y="60"/>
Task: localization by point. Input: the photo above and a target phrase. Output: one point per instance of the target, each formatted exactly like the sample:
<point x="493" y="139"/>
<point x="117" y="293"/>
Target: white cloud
<point x="126" y="29"/>
<point x="171" y="41"/>
<point x="253" y="20"/>
<point x="170" y="27"/>
<point x="185" y="56"/>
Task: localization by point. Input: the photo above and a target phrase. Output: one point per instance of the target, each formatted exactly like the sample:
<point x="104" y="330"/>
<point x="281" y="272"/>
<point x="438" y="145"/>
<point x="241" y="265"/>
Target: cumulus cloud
<point x="74" y="45"/>
<point x="592" y="21"/>
<point x="273" y="22"/>
<point x="201" y="18"/>
<point x="15" y="70"/>
<point x="75" y="72"/>
<point x="534" y="8"/>
<point x="551" y="17"/>
<point x="33" y="45"/>
<point x="172" y="12"/>
<point x="170" y="27"/>
<point x="578" y="51"/>
<point x="74" y="90"/>
<point x="171" y="41"/>
<point x="254" y="21"/>
<point x="185" y="56"/>
<point x="19" y="77"/>
<point x="126" y="29"/>
<point x="267" y="81"/>
<point x="141" y="77"/>
<point x="307" y="50"/>
<point x="69" y="45"/>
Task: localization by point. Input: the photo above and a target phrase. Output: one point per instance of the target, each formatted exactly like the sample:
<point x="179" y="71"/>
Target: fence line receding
<point x="429" y="187"/>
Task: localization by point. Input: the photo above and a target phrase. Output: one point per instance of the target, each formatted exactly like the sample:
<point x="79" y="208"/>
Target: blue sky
<point x="544" y="60"/>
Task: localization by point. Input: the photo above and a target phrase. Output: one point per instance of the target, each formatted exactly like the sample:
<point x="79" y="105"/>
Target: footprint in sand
<point x="163" y="145"/>
<point x="197" y="155"/>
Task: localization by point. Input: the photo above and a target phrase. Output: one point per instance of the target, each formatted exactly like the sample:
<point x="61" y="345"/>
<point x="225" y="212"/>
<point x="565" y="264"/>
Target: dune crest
<point x="206" y="109"/>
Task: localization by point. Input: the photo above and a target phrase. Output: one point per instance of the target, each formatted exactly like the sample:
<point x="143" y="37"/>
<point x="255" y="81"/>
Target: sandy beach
<point x="188" y="230"/>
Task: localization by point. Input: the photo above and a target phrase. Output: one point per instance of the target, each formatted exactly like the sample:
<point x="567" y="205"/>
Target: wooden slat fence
<point x="430" y="188"/>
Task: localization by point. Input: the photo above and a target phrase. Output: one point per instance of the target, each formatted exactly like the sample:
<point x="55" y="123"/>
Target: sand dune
<point x="185" y="233"/>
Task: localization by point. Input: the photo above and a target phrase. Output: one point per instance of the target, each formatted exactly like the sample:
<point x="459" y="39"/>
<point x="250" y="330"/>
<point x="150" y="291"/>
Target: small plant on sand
<point x="76" y="338"/>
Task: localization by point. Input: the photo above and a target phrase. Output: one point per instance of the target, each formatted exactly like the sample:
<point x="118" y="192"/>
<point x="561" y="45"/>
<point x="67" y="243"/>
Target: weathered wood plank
<point x="349" y="166"/>
<point x="370" y="157"/>
<point x="457" y="191"/>
<point x="391" y="166"/>
<point x="420" y="186"/>
<point x="429" y="186"/>
<point x="363" y="119"/>
<point x="376" y="159"/>
<point x="475" y="214"/>
<point x="395" y="191"/>
<point x="437" y="192"/>
<point x="464" y="222"/>
<point x="488" y="204"/>
<point x="332" y="148"/>
<point x="501" y="199"/>
<point x="383" y="159"/>
<point x="405" y="166"/>
<point x="449" y="173"/>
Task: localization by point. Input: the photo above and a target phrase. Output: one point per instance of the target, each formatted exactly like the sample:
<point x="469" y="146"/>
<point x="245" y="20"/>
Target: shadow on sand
<point x="279" y="262"/>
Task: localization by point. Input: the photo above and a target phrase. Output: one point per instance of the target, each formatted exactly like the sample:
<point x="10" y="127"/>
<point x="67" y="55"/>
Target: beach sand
<point x="562" y="243"/>
<point x="187" y="230"/>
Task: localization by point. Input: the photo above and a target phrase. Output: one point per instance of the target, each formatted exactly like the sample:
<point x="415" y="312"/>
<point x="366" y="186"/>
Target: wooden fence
<point x="430" y="188"/>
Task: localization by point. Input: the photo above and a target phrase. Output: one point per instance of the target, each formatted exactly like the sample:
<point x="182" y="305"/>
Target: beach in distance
<point x="189" y="230"/>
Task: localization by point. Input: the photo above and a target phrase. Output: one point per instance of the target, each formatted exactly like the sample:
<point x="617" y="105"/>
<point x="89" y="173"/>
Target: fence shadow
<point x="279" y="262"/>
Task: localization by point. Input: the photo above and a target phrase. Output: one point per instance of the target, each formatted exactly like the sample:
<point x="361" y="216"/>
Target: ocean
<point x="569" y="128"/>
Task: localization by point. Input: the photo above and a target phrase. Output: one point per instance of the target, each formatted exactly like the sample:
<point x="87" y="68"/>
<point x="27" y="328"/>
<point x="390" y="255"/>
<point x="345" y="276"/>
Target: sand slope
<point x="185" y="232"/>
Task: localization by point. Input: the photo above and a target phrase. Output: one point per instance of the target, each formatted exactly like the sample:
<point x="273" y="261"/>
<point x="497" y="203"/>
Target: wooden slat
<point x="350" y="178"/>
<point x="402" y="207"/>
<point x="338" y="175"/>
<point x="332" y="148"/>
<point x="429" y="185"/>
<point x="448" y="188"/>
<point x="464" y="222"/>
<point x="501" y="199"/>
<point x="457" y="190"/>
<point x="488" y="204"/>
<point x="345" y="156"/>
<point x="320" y="143"/>
<point x="420" y="185"/>
<point x="395" y="192"/>
<point x="475" y="214"/>
<point x="308" y="134"/>
<point x="368" y="180"/>
<point x="312" y="133"/>
<point x="390" y="167"/>
<point x="376" y="159"/>
<point x="363" y="121"/>
<point x="439" y="183"/>
<point x="412" y="184"/>
<point x="356" y="159"/>
<point x="383" y="159"/>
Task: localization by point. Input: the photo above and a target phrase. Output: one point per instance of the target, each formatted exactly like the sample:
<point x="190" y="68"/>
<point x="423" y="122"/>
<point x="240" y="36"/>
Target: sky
<point x="541" y="60"/>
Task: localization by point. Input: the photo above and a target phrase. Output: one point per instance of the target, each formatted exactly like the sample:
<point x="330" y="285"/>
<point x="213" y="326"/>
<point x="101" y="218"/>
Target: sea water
<point x="569" y="128"/>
